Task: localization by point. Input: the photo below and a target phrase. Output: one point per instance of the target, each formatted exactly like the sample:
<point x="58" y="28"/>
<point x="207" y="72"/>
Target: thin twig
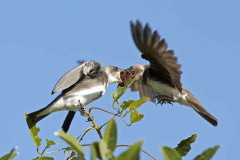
<point x="71" y="158"/>
<point x="95" y="126"/>
<point x="52" y="151"/>
<point x="87" y="150"/>
<point x="43" y="151"/>
<point x="103" y="125"/>
<point x="80" y="137"/>
<point x="116" y="114"/>
<point x="125" y="122"/>
<point x="86" y="145"/>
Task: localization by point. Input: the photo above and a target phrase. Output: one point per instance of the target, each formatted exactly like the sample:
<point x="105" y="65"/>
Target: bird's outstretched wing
<point x="163" y="63"/>
<point x="74" y="75"/>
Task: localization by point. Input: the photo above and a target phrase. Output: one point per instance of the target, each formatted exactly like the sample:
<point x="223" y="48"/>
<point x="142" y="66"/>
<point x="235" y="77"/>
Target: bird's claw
<point x="82" y="109"/>
<point x="163" y="99"/>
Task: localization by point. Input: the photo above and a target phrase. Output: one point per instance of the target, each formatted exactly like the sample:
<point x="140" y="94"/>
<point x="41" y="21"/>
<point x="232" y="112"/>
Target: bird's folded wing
<point x="74" y="75"/>
<point x="163" y="63"/>
<point x="144" y="91"/>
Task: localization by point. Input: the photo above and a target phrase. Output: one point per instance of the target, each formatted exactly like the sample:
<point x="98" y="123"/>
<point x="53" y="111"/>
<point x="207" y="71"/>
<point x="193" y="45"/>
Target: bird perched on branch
<point x="80" y="86"/>
<point x="160" y="80"/>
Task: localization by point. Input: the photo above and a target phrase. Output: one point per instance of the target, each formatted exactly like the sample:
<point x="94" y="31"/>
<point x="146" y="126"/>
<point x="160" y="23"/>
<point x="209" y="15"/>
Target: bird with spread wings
<point x="161" y="79"/>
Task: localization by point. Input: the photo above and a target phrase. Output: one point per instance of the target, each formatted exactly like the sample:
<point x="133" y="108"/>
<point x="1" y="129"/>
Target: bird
<point x="161" y="79"/>
<point x="79" y="87"/>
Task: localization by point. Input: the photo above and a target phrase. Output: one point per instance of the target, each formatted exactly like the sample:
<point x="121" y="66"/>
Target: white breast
<point x="90" y="94"/>
<point x="71" y="102"/>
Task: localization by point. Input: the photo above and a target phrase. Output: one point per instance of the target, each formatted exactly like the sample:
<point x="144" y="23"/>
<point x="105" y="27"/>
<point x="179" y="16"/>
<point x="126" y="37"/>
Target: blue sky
<point x="41" y="40"/>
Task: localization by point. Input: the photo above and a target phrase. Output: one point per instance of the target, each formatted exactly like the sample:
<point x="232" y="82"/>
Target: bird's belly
<point x="84" y="97"/>
<point x="164" y="89"/>
<point x="167" y="90"/>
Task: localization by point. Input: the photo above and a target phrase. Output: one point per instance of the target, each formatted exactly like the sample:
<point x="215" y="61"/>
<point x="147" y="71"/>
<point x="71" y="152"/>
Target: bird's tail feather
<point x="68" y="120"/>
<point x="204" y="113"/>
<point x="34" y="117"/>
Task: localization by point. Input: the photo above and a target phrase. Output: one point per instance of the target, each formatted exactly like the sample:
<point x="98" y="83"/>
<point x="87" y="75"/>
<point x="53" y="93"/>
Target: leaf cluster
<point x="184" y="147"/>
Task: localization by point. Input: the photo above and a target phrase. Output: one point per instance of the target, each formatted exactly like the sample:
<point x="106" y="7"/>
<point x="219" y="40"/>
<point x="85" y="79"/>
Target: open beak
<point x="120" y="77"/>
<point x="123" y="79"/>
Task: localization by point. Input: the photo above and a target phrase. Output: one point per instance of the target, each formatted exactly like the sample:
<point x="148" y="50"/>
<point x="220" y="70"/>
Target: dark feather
<point x="32" y="118"/>
<point x="163" y="63"/>
<point x="204" y="113"/>
<point x="68" y="120"/>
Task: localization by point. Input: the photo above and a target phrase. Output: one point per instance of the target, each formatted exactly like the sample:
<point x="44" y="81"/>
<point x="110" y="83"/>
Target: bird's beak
<point x="123" y="78"/>
<point x="120" y="77"/>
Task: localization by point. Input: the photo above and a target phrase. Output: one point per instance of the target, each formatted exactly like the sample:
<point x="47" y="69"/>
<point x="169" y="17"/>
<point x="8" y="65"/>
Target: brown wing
<point x="144" y="91"/>
<point x="163" y="63"/>
<point x="75" y="74"/>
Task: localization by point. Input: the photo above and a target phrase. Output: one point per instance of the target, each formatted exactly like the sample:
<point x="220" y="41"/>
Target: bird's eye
<point x="116" y="68"/>
<point x="133" y="72"/>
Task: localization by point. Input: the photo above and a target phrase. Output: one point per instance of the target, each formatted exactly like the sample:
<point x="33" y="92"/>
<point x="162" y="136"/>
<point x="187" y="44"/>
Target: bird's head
<point x="134" y="72"/>
<point x="114" y="74"/>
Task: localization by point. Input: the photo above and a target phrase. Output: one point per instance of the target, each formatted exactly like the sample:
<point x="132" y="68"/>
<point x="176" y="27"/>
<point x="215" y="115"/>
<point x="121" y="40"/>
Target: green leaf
<point x="135" y="116"/>
<point x="207" y="154"/>
<point x="114" y="95"/>
<point x="126" y="104"/>
<point x="122" y="90"/>
<point x="94" y="153"/>
<point x="34" y="130"/>
<point x="138" y="103"/>
<point x="170" y="154"/>
<point x="185" y="145"/>
<point x="49" y="143"/>
<point x="110" y="135"/>
<point x="72" y="142"/>
<point x="10" y="155"/>
<point x="43" y="158"/>
<point x="132" y="153"/>
<point x="101" y="149"/>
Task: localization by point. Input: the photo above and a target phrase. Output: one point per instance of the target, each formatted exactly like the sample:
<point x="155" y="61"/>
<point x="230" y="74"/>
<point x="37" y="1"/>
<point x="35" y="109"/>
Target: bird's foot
<point x="82" y="109"/>
<point x="163" y="99"/>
